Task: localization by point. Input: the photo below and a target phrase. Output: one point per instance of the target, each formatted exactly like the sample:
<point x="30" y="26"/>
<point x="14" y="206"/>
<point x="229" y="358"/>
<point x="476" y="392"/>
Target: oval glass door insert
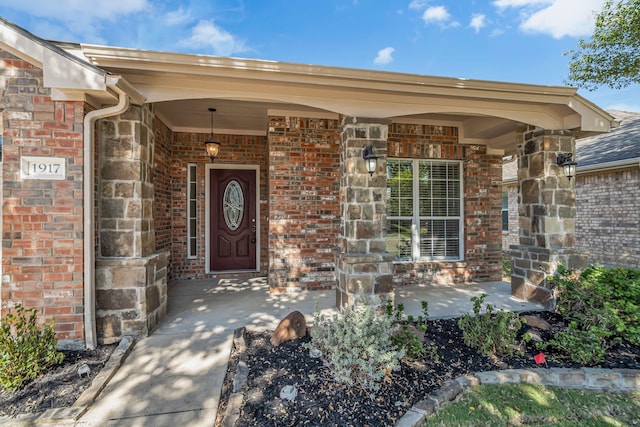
<point x="233" y="202"/>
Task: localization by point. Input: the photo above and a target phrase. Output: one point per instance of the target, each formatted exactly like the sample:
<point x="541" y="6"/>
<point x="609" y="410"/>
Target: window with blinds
<point x="424" y="209"/>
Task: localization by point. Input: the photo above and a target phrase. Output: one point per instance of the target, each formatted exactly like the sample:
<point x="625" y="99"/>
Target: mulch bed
<point x="59" y="387"/>
<point x="321" y="401"/>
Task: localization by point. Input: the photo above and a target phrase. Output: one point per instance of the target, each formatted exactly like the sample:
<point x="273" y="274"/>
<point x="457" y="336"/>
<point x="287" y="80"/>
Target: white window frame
<point x="416" y="256"/>
<point x="192" y="232"/>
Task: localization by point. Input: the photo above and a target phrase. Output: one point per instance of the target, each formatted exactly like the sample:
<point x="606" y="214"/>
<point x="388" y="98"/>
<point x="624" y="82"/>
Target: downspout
<point x="89" y="207"/>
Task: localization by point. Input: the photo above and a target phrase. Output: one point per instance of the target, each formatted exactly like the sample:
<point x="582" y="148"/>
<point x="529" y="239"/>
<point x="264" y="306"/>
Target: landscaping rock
<point x="536" y="322"/>
<point x="293" y="326"/>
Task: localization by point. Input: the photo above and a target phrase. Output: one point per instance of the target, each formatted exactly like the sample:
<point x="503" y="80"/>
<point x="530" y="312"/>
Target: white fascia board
<point x="60" y="72"/>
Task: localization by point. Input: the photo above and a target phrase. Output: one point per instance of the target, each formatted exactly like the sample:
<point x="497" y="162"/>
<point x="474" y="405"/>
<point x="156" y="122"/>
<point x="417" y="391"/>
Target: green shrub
<point x="26" y="349"/>
<point x="406" y="337"/>
<point x="357" y="345"/>
<point x="602" y="306"/>
<point x="491" y="332"/>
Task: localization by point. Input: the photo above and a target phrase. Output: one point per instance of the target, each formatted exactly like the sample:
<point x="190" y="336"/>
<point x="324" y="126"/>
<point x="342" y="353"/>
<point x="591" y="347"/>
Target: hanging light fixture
<point x="370" y="159"/>
<point x="565" y="161"/>
<point x="213" y="147"/>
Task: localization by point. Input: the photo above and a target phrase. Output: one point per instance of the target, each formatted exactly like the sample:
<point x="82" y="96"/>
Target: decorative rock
<point x="536" y="322"/>
<point x="84" y="370"/>
<point x="288" y="392"/>
<point x="315" y="353"/>
<point x="290" y="328"/>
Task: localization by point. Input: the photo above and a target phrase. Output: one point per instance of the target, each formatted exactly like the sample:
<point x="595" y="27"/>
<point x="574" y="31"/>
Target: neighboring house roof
<point x="619" y="147"/>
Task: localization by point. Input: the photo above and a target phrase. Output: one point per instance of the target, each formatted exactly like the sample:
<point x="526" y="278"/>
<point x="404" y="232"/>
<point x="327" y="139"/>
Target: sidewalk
<point x="174" y="377"/>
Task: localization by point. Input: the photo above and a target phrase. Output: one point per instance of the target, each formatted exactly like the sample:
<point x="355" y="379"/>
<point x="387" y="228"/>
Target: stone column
<point x="131" y="278"/>
<point x="363" y="264"/>
<point x="547" y="211"/>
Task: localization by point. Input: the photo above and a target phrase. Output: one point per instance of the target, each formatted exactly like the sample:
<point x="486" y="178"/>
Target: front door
<point x="233" y="230"/>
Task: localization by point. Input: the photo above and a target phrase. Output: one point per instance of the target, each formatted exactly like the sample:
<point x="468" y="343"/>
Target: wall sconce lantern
<point x="568" y="165"/>
<point x="213" y="147"/>
<point x="370" y="159"/>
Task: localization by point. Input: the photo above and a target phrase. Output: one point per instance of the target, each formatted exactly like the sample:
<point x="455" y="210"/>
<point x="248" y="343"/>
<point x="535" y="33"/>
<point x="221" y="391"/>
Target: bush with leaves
<point x="405" y="336"/>
<point x="491" y="332"/>
<point x="27" y="350"/>
<point x="356" y="344"/>
<point x="601" y="306"/>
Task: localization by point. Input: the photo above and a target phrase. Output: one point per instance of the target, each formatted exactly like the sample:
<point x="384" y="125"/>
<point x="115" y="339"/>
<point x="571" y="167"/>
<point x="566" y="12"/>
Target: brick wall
<point x="608" y="217"/>
<point x="482" y="180"/>
<point x="189" y="148"/>
<point x="161" y="179"/>
<point x="42" y="225"/>
<point x="304" y="208"/>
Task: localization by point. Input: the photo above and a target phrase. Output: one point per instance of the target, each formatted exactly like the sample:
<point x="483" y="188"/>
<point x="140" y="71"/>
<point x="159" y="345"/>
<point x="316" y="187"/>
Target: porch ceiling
<point x="245" y="92"/>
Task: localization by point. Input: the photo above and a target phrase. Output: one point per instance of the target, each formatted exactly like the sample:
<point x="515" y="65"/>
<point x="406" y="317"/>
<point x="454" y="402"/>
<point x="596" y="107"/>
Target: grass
<point x="528" y="404"/>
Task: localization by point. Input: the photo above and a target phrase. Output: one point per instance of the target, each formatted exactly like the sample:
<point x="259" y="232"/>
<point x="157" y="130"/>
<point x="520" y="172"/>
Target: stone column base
<point x="367" y="275"/>
<point x="532" y="266"/>
<point x="131" y="295"/>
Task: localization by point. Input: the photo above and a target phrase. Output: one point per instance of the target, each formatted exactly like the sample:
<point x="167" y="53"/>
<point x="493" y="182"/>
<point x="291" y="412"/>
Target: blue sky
<point x="520" y="41"/>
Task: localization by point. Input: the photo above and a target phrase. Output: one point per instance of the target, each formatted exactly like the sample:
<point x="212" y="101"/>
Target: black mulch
<point x="323" y="402"/>
<point x="59" y="387"/>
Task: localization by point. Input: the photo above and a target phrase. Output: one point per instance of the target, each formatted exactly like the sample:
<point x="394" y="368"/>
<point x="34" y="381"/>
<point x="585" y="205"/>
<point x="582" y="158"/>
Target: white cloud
<point x="69" y="20"/>
<point x="573" y="18"/>
<point x="418" y="4"/>
<point x="177" y="17"/>
<point x="206" y="34"/>
<point x="557" y="18"/>
<point x="624" y="107"/>
<point x="504" y="4"/>
<point x="66" y="10"/>
<point x="384" y="56"/>
<point x="478" y="21"/>
<point x="438" y="15"/>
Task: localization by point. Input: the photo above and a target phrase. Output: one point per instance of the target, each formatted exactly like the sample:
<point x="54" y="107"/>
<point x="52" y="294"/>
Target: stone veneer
<point x="131" y="276"/>
<point x="363" y="265"/>
<point x="546" y="215"/>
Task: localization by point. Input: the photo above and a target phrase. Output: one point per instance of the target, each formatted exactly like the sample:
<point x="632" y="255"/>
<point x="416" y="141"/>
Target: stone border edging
<point x="73" y="413"/>
<point x="585" y="378"/>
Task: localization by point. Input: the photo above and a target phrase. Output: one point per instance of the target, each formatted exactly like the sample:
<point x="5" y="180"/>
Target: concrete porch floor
<point x="174" y="377"/>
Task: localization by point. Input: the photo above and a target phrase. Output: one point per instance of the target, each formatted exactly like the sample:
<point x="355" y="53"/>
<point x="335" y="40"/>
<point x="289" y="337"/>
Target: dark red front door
<point x="233" y="236"/>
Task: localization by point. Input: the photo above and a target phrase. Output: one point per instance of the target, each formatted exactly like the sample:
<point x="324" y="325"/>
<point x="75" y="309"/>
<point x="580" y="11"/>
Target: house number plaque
<point x="53" y="168"/>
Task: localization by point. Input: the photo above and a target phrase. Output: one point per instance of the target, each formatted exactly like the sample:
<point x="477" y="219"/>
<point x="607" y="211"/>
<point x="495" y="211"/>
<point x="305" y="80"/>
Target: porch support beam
<point x="363" y="265"/>
<point x="547" y="212"/>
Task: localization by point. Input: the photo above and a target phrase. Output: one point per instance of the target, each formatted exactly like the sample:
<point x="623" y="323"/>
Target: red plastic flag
<point x="539" y="358"/>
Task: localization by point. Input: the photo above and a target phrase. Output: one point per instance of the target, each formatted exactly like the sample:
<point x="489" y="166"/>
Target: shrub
<point x="26" y="349"/>
<point x="357" y="345"/>
<point x="410" y="332"/>
<point x="602" y="306"/>
<point x="491" y="332"/>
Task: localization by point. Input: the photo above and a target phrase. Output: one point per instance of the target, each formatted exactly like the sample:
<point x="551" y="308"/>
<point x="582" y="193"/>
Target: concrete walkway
<point x="174" y="377"/>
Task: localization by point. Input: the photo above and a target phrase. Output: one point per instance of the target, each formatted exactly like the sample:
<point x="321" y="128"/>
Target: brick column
<point x="547" y="211"/>
<point x="363" y="263"/>
<point x="131" y="278"/>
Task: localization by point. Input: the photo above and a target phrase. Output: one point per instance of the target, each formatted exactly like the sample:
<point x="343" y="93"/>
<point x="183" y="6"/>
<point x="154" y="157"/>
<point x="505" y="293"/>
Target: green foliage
<point x="602" y="306"/>
<point x="506" y="265"/>
<point x="357" y="345"/>
<point x="406" y="337"/>
<point x="27" y="350"/>
<point x="491" y="332"/>
<point x="612" y="55"/>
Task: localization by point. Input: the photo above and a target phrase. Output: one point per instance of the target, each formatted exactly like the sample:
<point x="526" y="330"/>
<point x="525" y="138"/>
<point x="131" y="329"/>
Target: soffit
<point x="182" y="87"/>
